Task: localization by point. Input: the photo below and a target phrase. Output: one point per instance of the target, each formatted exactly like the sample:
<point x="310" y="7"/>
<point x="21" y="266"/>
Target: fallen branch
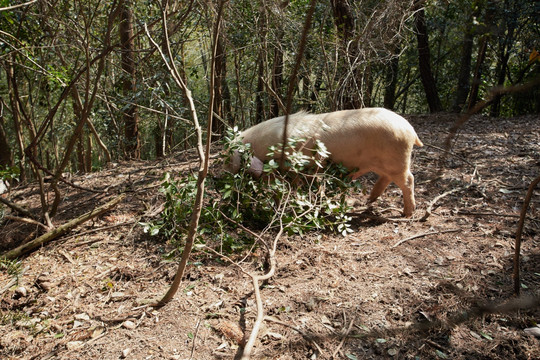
<point x="517" y="284"/>
<point x="258" y="300"/>
<point x="61" y="230"/>
<point x="424" y="234"/>
<point x="16" y="207"/>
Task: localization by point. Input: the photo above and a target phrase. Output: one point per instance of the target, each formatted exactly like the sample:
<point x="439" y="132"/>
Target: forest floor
<point x="392" y="289"/>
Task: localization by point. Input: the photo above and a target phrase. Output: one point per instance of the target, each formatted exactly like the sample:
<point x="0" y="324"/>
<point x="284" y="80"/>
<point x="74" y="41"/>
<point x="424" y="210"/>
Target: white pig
<point x="369" y="139"/>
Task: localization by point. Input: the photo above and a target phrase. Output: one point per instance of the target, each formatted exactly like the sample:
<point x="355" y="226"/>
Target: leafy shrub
<point x="9" y="173"/>
<point x="307" y="196"/>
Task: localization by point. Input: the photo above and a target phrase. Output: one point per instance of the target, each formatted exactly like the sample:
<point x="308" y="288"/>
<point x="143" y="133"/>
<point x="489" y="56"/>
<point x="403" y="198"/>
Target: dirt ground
<point x="404" y="289"/>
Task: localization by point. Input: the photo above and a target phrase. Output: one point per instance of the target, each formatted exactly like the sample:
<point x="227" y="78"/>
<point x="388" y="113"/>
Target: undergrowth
<point x="308" y="196"/>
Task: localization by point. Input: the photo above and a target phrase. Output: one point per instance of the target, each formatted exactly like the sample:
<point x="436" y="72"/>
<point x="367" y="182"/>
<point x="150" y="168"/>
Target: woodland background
<point x="89" y="109"/>
<point x="81" y="85"/>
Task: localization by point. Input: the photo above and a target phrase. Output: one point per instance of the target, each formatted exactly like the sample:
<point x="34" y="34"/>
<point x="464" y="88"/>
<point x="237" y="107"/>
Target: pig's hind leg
<point x="382" y="183"/>
<point x="406" y="184"/>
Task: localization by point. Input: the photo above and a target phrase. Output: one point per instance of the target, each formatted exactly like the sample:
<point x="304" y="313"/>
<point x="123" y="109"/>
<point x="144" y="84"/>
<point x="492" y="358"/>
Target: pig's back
<point x="373" y="139"/>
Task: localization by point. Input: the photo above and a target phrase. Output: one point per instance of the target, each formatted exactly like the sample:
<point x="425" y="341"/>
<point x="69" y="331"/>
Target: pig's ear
<point x="256" y="167"/>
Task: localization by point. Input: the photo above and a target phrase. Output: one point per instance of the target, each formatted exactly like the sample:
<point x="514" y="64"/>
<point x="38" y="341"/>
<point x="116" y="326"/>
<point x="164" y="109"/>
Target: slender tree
<point x="424" y="62"/>
<point x="482" y="50"/>
<point x="464" y="76"/>
<point x="344" y="22"/>
<point x="129" y="87"/>
<point x="221" y="89"/>
<point x="391" y="81"/>
<point x="6" y="158"/>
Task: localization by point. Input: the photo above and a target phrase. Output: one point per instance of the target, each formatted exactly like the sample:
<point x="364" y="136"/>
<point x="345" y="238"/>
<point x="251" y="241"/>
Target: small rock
<point x="44" y="315"/>
<point x="27" y="323"/>
<point x="21" y="291"/>
<point x="125" y="353"/>
<point x="535" y="331"/>
<point x="274" y="335"/>
<point x="77" y="323"/>
<point x="128" y="324"/>
<point x="73" y="345"/>
<point x="118" y="296"/>
<point x="82" y="316"/>
<point x="46" y="285"/>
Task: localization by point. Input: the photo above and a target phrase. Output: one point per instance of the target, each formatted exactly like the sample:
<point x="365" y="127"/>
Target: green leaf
<point x="441" y="354"/>
<point x="487" y="336"/>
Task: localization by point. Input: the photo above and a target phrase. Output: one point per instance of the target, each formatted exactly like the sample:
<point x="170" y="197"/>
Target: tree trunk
<point x="505" y="46"/>
<point x="239" y="108"/>
<point x="424" y="59"/>
<point x="463" y="83"/>
<point x="482" y="48"/>
<point x="344" y="21"/>
<point x="6" y="159"/>
<point x="367" y="85"/>
<point x="391" y="80"/>
<point x="131" y="116"/>
<point x="260" y="116"/>
<point x="16" y="115"/>
<point x="277" y="79"/>
<point x="220" y="93"/>
<point x="80" y="154"/>
<point x="88" y="152"/>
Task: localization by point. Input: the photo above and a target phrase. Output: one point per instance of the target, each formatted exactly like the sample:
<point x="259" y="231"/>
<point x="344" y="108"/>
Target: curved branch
<point x="517" y="246"/>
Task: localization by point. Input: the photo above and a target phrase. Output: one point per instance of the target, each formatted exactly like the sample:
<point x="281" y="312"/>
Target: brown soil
<point x="415" y="299"/>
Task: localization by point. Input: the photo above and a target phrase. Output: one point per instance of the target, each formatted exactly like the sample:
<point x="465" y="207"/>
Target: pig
<point x="364" y="140"/>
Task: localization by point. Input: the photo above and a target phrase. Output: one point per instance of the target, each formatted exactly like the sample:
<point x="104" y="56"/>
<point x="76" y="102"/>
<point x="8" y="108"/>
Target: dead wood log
<point x="61" y="230"/>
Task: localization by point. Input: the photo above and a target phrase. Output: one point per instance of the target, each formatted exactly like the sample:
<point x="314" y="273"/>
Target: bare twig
<point x="298" y="330"/>
<point x="97" y="230"/>
<point x="450" y="153"/>
<point x="12" y="7"/>
<point x="13" y="281"/>
<point x="343" y="339"/>
<point x="493" y="93"/>
<point x="437" y="198"/>
<point x="424" y="234"/>
<point x="517" y="284"/>
<point x="27" y="221"/>
<point x="195" y="338"/>
<point x="489" y="213"/>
